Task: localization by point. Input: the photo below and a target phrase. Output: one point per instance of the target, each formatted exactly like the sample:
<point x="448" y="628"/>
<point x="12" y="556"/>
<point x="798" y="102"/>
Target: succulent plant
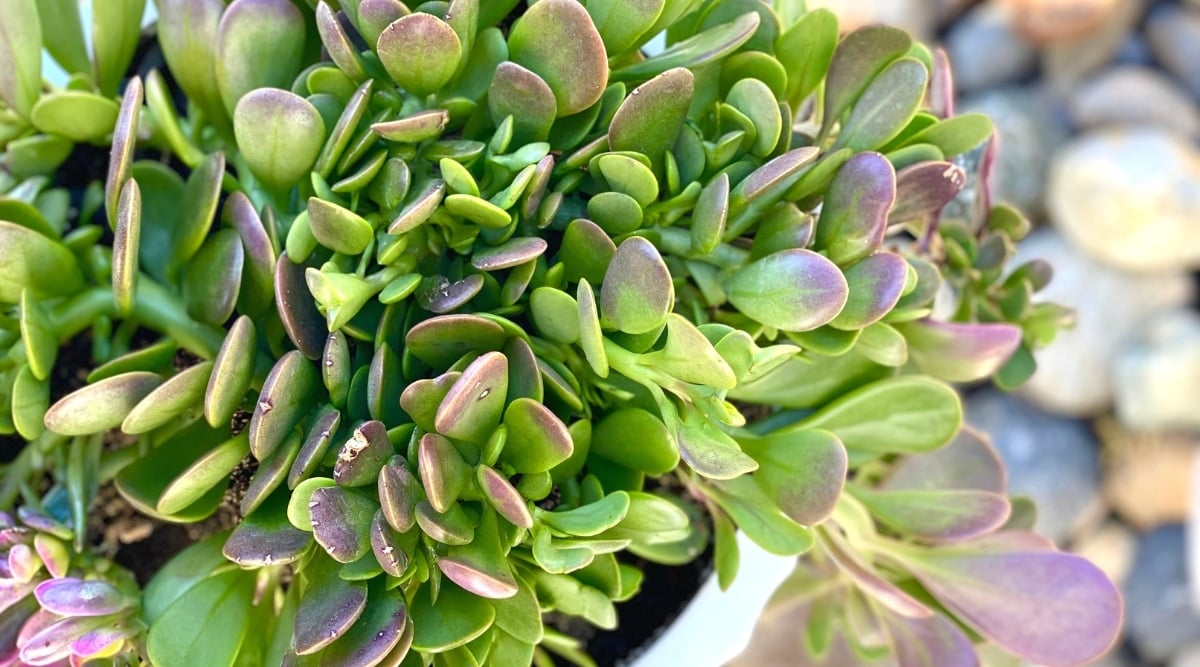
<point x="492" y="298"/>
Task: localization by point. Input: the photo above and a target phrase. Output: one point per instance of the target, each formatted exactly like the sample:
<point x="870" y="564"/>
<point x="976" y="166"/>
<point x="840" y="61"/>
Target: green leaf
<point x="38" y="335"/>
<point x="187" y="34"/>
<point x="854" y="214"/>
<point x="520" y="615"/>
<point x="901" y="414"/>
<point x="206" y="625"/>
<point x="213" y="278"/>
<point x="955" y="135"/>
<point x="806" y="50"/>
<point x="636" y="439"/>
<point x="280" y="134"/>
<point x="98" y="407"/>
<point x="557" y="40"/>
<point x="420" y="52"/>
<point x="169" y="400"/>
<point x="30" y="260"/>
<point x="287" y="394"/>
<point x="802" y="471"/>
<point x="759" y="517"/>
<point x="142" y="482"/>
<point x="754" y="99"/>
<point x="232" y="372"/>
<point x="337" y="228"/>
<point x="206" y="472"/>
<point x="126" y="246"/>
<point x="591" y="338"/>
<point x="705" y="47"/>
<point x="474" y="404"/>
<point x="30" y="399"/>
<point x="518" y="92"/>
<point x="65" y="42"/>
<point x="180" y="574"/>
<point x="115" y="35"/>
<point x="622" y="23"/>
<point x="793" y="290"/>
<point x="76" y="115"/>
<point x="649" y="119"/>
<point x="590" y="519"/>
<point x="455" y="619"/>
<point x="260" y="44"/>
<point x="885" y="107"/>
<point x="537" y="439"/>
<point x="690" y="357"/>
<point x="858" y="58"/>
<point x="21" y="53"/>
<point x="637" y="292"/>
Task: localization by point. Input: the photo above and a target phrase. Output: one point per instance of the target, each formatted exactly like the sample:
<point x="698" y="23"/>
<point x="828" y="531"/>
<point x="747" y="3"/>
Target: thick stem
<point x="154" y="306"/>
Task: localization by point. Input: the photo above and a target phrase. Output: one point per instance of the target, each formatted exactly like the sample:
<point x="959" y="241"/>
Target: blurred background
<point x="1096" y="105"/>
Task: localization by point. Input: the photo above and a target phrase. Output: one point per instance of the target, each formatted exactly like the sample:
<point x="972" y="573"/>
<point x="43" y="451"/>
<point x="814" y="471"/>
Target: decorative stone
<point x="1159" y="617"/>
<point x="986" y="50"/>
<point x="1157" y="373"/>
<point x="1134" y="95"/>
<point x="1052" y="21"/>
<point x="1053" y="460"/>
<point x="1066" y="63"/>
<point x="1148" y="478"/>
<point x="1031" y="127"/>
<point x="1129" y="197"/>
<point x="1072" y="377"/>
<point x="1111" y="547"/>
<point x="1174" y="36"/>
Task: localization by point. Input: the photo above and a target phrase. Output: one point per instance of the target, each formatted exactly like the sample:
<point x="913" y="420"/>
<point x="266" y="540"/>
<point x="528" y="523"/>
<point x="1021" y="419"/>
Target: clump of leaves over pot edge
<point x="506" y="296"/>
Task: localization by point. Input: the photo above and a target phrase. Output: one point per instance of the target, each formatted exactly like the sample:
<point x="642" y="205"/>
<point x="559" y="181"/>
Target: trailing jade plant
<point x="484" y="304"/>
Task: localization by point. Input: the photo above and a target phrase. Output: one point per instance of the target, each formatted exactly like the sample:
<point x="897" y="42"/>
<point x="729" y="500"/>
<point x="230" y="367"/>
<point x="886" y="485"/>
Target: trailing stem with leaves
<point x="488" y="303"/>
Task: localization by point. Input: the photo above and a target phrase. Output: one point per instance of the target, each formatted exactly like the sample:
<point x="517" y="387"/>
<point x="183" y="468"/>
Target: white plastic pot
<point x="715" y="626"/>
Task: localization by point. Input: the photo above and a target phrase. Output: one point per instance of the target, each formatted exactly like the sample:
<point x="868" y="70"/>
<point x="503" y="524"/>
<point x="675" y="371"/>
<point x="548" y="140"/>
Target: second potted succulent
<point x="484" y="308"/>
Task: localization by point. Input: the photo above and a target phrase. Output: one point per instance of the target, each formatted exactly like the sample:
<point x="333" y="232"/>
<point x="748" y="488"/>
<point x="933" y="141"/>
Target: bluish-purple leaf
<point x="1050" y="608"/>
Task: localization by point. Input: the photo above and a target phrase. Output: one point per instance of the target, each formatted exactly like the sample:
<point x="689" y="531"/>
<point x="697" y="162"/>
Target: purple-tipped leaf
<point x="872" y="583"/>
<point x="802" y="471"/>
<point x="260" y="44"/>
<point x="363" y="455"/>
<point x="855" y="212"/>
<point x="375" y="634"/>
<point x="875" y="283"/>
<point x="929" y="642"/>
<point x="481" y="567"/>
<point x="503" y="497"/>
<point x="557" y="40"/>
<point x="301" y="320"/>
<point x="443" y="340"/>
<point x="100" y="406"/>
<point x="637" y="292"/>
<point x="473" y="406"/>
<point x="285" y="398"/>
<point x="960" y="352"/>
<point x="444" y="473"/>
<point x="420" y="52"/>
<point x="99" y="643"/>
<point x="327" y="611"/>
<point x="341" y="522"/>
<point x="537" y="439"/>
<point x="943" y="515"/>
<point x="793" y="290"/>
<point x="386" y="544"/>
<point x="1049" y="608"/>
<point x="968" y="462"/>
<point x="518" y="92"/>
<point x="78" y="597"/>
<point x="399" y="494"/>
<point x="924" y="188"/>
<point x="649" y="119"/>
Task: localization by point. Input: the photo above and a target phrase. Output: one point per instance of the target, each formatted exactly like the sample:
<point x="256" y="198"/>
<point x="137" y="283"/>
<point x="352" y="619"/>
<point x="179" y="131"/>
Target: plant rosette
<point x="485" y="308"/>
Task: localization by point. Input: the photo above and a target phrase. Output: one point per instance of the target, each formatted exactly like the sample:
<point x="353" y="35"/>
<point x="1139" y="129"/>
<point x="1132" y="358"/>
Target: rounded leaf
<point x="100" y="406"/>
<point x="793" y="290"/>
<point x="279" y="134"/>
<point x="420" y="52"/>
<point x="557" y="40"/>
